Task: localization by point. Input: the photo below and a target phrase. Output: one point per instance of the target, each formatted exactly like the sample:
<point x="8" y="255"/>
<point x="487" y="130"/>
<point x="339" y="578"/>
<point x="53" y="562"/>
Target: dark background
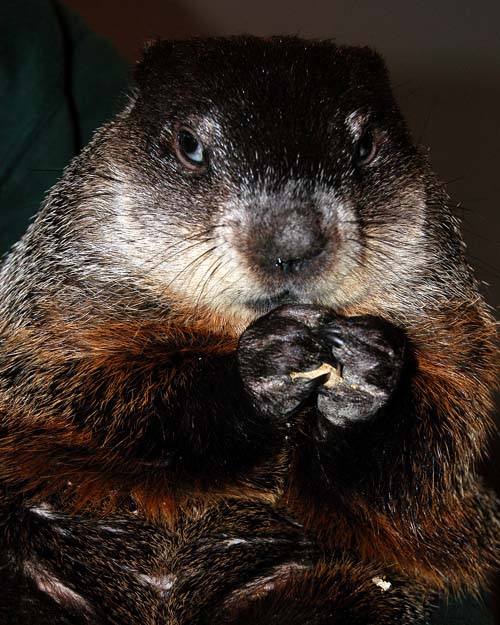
<point x="444" y="58"/>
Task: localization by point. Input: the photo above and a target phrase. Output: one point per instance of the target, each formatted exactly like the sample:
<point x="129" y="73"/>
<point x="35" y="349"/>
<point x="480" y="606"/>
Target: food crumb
<point x="381" y="583"/>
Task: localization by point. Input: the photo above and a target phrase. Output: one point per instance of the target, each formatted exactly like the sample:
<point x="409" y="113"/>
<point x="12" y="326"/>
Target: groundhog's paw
<point x="276" y="346"/>
<point x="370" y="355"/>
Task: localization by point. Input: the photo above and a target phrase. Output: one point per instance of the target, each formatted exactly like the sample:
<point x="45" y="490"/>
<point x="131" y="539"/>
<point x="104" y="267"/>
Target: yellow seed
<point x="333" y="379"/>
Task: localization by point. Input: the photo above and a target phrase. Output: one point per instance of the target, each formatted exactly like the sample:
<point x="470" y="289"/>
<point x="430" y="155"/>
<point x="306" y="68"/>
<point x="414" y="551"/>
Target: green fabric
<point x="58" y="82"/>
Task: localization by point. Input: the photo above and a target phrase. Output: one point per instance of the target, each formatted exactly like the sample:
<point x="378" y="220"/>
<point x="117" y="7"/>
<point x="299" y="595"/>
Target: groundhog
<point x="248" y="287"/>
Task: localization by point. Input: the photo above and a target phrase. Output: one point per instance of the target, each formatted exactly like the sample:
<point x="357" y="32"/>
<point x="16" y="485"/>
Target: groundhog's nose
<point x="292" y="248"/>
<point x="295" y="265"/>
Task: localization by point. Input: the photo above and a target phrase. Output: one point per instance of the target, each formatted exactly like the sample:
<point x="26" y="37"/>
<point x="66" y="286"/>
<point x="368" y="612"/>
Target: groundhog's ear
<point x="154" y="62"/>
<point x="365" y="61"/>
<point x="160" y="57"/>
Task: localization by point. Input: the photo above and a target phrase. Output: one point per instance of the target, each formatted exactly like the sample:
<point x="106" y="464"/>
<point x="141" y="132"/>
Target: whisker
<point x="211" y="271"/>
<point x="171" y="257"/>
<point x="190" y="265"/>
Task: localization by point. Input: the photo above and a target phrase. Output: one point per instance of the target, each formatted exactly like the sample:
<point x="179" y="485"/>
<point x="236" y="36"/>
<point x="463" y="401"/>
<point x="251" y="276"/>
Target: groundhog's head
<point x="248" y="173"/>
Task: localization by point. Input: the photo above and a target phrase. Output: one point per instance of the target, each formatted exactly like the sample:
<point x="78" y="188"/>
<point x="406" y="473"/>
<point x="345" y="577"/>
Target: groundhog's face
<point x="262" y="172"/>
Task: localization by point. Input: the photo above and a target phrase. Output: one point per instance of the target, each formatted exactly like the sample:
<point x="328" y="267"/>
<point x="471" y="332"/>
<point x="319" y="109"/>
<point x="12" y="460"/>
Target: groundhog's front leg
<point x="351" y="376"/>
<point x="166" y="413"/>
<point x="382" y="463"/>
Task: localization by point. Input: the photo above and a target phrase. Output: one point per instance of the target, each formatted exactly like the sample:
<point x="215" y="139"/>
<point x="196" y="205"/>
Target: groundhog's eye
<point x="190" y="150"/>
<point x="366" y="148"/>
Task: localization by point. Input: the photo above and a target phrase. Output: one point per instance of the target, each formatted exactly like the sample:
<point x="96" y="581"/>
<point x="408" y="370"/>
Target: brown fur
<point x="92" y="462"/>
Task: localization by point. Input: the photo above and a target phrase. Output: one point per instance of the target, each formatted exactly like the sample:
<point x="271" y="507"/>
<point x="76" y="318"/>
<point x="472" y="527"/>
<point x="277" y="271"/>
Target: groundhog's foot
<point x="370" y="356"/>
<point x="279" y="344"/>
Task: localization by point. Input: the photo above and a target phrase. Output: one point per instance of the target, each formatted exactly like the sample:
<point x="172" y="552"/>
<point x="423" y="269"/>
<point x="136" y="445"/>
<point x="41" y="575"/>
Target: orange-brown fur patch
<point x="43" y="450"/>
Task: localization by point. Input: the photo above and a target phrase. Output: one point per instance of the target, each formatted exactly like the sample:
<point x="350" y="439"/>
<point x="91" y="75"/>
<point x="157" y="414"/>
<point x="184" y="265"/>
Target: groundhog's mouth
<point x="265" y="304"/>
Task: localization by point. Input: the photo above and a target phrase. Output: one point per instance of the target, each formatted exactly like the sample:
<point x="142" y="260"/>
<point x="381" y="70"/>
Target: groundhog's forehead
<point x="277" y="68"/>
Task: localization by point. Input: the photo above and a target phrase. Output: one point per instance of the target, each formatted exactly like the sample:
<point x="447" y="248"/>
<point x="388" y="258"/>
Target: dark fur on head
<point x="259" y="208"/>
